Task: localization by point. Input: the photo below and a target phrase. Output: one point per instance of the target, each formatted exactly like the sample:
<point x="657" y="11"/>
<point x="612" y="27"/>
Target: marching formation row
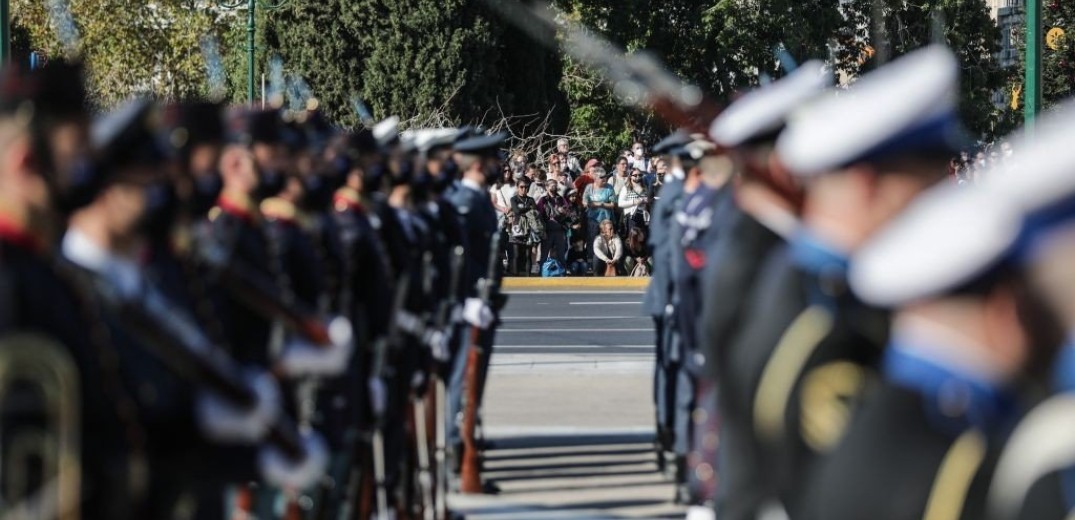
<point x="845" y="331"/>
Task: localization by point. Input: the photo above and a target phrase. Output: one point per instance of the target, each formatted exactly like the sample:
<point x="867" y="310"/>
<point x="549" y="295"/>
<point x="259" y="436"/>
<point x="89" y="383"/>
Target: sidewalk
<point x="575" y="283"/>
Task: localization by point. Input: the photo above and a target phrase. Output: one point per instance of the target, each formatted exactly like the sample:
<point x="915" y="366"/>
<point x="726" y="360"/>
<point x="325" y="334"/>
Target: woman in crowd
<point x="607" y="251"/>
<point x="556" y="212"/>
<point x="526" y="229"/>
<point x="635" y="203"/>
<point x="619" y="180"/>
<point x="600" y="202"/>
<point x="636" y="258"/>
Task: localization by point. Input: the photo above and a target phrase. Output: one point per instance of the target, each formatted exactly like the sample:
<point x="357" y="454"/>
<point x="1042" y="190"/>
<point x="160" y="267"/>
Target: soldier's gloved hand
<point x="378" y="395"/>
<point x="477" y="313"/>
<point x="280" y="471"/>
<point x="221" y="420"/>
<point x="437" y="341"/>
<point x="301" y="358"/>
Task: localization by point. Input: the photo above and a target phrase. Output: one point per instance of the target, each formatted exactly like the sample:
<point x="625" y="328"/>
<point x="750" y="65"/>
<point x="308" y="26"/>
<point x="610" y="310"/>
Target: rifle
<point x="470" y="473"/>
<point x="377" y="372"/>
<point x="444" y="315"/>
<point x="263" y="296"/>
<point x="173" y="337"/>
<point x="425" y="478"/>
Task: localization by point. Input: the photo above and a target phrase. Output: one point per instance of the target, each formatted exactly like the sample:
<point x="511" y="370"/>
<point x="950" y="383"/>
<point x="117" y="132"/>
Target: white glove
<point x="300" y="358"/>
<point x="477" y="313"/>
<point x="223" y="421"/>
<point x="378" y="395"/>
<point x="280" y="471"/>
<point x="438" y="345"/>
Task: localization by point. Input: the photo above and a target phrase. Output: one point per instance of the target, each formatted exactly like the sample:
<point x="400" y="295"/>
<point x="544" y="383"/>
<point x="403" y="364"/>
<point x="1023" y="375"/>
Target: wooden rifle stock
<point x="470" y="471"/>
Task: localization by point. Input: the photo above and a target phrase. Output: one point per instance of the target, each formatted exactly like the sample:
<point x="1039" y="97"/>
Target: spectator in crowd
<point x="634" y="200"/>
<point x="655" y="178"/>
<point x="607" y="250"/>
<point x="600" y="203"/>
<point x="619" y="178"/>
<point x="636" y="258"/>
<point x="578" y="217"/>
<point x="537" y="181"/>
<point x="502" y="191"/>
<point x="569" y="163"/>
<point x="525" y="230"/>
<point x="638" y="157"/>
<point x="557" y="213"/>
<point x="587" y="177"/>
<point x="555" y="174"/>
<point x="577" y="261"/>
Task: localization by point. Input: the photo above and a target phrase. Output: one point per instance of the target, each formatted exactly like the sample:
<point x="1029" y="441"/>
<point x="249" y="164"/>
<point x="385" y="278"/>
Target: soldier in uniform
<point x="479" y="163"/>
<point x="657" y="301"/>
<point x="765" y="217"/>
<point x="697" y="228"/>
<point x="834" y="347"/>
<point x="47" y="173"/>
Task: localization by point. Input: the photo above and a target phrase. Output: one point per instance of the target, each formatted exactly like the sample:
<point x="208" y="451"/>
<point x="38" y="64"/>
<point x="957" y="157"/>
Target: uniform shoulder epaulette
<point x="275" y="208"/>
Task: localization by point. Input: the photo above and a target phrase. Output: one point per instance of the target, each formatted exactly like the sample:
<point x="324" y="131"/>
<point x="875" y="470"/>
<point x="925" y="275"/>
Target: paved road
<point x="569" y="412"/>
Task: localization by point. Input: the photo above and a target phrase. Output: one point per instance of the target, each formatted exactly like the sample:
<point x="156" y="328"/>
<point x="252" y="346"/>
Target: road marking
<point x="556" y="347"/>
<point x="651" y="329"/>
<point x="573" y="292"/>
<point x="541" y="318"/>
<point x="605" y="303"/>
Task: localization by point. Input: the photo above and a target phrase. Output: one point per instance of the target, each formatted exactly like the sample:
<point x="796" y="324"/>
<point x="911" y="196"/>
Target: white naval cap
<point x="952" y="236"/>
<point x="387" y="131"/>
<point x="906" y="106"/>
<point x="764" y="111"/>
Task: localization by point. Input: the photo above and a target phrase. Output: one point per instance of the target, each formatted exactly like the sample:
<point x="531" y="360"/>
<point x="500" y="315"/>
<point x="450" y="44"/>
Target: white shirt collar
<point x="122" y="273"/>
<point x="469" y="183"/>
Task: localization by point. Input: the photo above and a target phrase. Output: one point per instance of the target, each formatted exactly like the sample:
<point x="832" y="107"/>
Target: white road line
<point x="553" y="292"/>
<point x="540" y="318"/>
<point x="555" y="347"/>
<point x="605" y="303"/>
<point x="575" y="330"/>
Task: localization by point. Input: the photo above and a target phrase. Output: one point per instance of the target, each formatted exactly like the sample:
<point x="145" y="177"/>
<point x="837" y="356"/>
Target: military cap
<point x="319" y="132"/>
<point x="429" y="139"/>
<point x="293" y="135"/>
<point x="675" y="140"/>
<point x="387" y="132"/>
<point x="189" y="123"/>
<point x="362" y="141"/>
<point x="482" y="145"/>
<point x="905" y="107"/>
<point x="129" y="135"/>
<point x="761" y="114"/>
<point x="248" y="126"/>
<point x="955" y="236"/>
<point x="56" y="90"/>
<point x="696" y="147"/>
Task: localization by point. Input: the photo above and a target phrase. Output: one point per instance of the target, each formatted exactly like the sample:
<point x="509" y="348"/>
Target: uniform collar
<point x="816" y="256"/>
<point x="468" y="183"/>
<point x="241" y="207"/>
<point x="122" y="274"/>
<point x="955" y="398"/>
<point x="17" y="235"/>
<point x="1064" y="368"/>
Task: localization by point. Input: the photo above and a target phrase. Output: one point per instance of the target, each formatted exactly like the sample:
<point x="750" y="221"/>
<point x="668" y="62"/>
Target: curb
<point x="622" y="283"/>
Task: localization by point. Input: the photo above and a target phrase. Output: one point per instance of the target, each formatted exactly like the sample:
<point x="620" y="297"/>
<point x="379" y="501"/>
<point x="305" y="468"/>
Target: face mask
<point x="421" y="185"/>
<point x="161" y="207"/>
<point x="317" y="193"/>
<point x="207" y="188"/>
<point x="272" y="182"/>
<point x="449" y="171"/>
<point x="83" y="181"/>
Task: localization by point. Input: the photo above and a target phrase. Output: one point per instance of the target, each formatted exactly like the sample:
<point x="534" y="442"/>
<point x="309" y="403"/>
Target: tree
<point x="900" y="26"/>
<point x="129" y="47"/>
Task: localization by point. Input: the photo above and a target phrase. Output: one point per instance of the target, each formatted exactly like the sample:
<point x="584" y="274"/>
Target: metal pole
<point x="250" y="28"/>
<point x="5" y="31"/>
<point x="1033" y="64"/>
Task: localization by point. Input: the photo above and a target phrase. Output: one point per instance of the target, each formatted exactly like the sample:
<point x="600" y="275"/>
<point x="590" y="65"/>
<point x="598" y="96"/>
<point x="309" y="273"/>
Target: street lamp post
<point x="1033" y="64"/>
<point x="251" y="28"/>
<point x="5" y="31"/>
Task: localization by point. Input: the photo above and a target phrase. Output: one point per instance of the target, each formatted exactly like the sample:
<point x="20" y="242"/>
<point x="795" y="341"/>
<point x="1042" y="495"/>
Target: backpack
<point x="552" y="268"/>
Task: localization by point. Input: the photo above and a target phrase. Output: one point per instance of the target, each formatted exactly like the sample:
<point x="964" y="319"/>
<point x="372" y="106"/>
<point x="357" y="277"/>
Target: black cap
<point x="673" y="141"/>
<point x="129" y="135"/>
<point x="190" y="123"/>
<point x="56" y="90"/>
<point x="248" y="126"/>
<point x="482" y="145"/>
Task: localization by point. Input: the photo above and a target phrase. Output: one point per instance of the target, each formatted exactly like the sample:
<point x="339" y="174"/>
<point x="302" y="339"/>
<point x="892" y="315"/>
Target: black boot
<point x="683" y="494"/>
